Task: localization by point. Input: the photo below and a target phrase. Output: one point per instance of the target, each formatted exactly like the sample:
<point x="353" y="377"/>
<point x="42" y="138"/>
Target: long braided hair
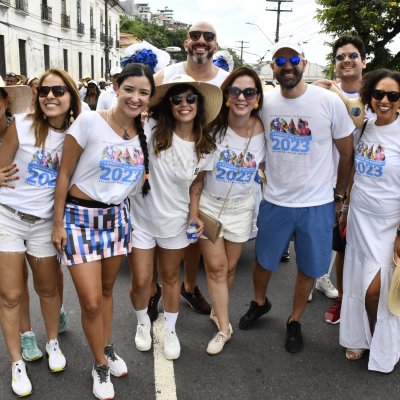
<point x="140" y="70"/>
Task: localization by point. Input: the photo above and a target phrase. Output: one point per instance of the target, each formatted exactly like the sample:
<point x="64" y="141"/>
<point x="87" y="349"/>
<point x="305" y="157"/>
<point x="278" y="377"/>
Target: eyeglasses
<point x="190" y="99"/>
<point x="248" y="93"/>
<point x="352" y="56"/>
<point x="196" y="35"/>
<point x="58" y="91"/>
<point x="281" y="61"/>
<point x="380" y="94"/>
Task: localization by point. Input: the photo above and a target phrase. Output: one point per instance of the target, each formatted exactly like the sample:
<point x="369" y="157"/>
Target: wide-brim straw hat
<point x="212" y="94"/>
<point x="19" y="97"/>
<point x="394" y="290"/>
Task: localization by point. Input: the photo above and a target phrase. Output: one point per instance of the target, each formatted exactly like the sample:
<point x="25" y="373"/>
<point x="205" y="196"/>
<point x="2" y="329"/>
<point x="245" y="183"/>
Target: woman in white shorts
<point x="239" y="136"/>
<point x="104" y="158"/>
<point x="180" y="153"/>
<point x="33" y="142"/>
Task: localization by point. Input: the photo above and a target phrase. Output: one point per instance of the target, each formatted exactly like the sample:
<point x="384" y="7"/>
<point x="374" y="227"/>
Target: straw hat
<point x="212" y="94"/>
<point x="19" y="97"/>
<point x="394" y="290"/>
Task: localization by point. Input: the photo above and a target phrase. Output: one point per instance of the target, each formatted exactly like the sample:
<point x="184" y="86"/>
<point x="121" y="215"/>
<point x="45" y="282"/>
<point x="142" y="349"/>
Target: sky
<point x="229" y="17"/>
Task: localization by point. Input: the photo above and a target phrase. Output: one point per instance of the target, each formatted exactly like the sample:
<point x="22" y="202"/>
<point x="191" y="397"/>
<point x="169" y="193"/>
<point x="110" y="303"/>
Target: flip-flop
<point x="354" y="354"/>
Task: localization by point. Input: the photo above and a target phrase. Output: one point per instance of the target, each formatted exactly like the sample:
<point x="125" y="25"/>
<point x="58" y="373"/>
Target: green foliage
<point x="377" y="22"/>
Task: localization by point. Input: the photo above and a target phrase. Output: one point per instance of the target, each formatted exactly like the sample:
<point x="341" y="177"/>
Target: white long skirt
<point x="369" y="249"/>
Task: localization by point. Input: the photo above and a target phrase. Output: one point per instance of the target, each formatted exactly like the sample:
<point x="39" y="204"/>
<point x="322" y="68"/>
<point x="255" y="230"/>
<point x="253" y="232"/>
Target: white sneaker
<point x="143" y="337"/>
<point x="324" y="285"/>
<point x="103" y="388"/>
<point x="20" y="383"/>
<point x="172" y="347"/>
<point x="217" y="343"/>
<point x="116" y="364"/>
<point x="214" y="319"/>
<point x="57" y="361"/>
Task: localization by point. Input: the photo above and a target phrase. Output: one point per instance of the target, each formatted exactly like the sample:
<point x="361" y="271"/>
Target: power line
<point x="278" y="16"/>
<point x="241" y="47"/>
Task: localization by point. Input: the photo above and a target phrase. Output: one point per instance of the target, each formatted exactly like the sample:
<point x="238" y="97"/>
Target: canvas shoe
<point x="116" y="364"/>
<point x="143" y="337"/>
<point x="20" y="383"/>
<point x="214" y="319"/>
<point x="217" y="343"/>
<point x="294" y="339"/>
<point x="332" y="315"/>
<point x="172" y="347"/>
<point x="30" y="349"/>
<point x="57" y="361"/>
<point x="196" y="300"/>
<point x="103" y="388"/>
<point x="325" y="286"/>
<point x="253" y="313"/>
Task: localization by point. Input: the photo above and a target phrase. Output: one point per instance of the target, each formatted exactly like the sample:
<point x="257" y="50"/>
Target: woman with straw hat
<point x="33" y="142"/>
<point x="180" y="153"/>
<point x="372" y="221"/>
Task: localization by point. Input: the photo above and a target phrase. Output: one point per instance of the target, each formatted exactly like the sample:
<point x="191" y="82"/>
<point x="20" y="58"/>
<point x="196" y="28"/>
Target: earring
<point x="256" y="106"/>
<point x="71" y="117"/>
<point x="228" y="104"/>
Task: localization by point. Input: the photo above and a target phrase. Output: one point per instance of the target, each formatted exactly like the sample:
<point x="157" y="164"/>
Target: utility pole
<point x="106" y="48"/>
<point x="241" y="47"/>
<point x="278" y="11"/>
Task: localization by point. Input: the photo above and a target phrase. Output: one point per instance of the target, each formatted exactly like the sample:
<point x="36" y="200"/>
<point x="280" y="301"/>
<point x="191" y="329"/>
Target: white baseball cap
<point x="115" y="71"/>
<point x="288" y="44"/>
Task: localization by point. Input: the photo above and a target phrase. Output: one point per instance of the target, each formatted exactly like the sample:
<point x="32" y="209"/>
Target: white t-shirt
<point x="38" y="169"/>
<point x="227" y="157"/>
<point x="164" y="211"/>
<point x="299" y="134"/>
<point x="110" y="167"/>
<point x="377" y="165"/>
<point x="107" y="99"/>
<point x="178" y="69"/>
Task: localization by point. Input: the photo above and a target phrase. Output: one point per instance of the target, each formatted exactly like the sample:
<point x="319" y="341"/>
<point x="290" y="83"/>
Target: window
<point x="2" y="57"/>
<point x="63" y="7"/>
<point x="92" y="66"/>
<point x="78" y="11"/>
<point x="80" y="64"/>
<point x="22" y="57"/>
<point x="46" y="49"/>
<point x="65" y="56"/>
<point x="102" y="66"/>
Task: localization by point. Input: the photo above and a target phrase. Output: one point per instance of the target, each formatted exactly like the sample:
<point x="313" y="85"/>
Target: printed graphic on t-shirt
<point x="293" y="137"/>
<point x="369" y="160"/>
<point x="43" y="169"/>
<point x="227" y="167"/>
<point x="121" y="164"/>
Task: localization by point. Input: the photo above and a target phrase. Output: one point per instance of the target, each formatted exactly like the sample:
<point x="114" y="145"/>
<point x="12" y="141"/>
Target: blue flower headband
<point x="145" y="56"/>
<point x="220" y="62"/>
<point x="223" y="59"/>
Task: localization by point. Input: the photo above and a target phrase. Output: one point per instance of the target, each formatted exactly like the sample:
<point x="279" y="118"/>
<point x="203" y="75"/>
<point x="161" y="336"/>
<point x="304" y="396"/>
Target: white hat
<point x="145" y="53"/>
<point x="212" y="94"/>
<point x="115" y="71"/>
<point x="92" y="81"/>
<point x="102" y="80"/>
<point x="287" y="44"/>
<point x="19" y="97"/>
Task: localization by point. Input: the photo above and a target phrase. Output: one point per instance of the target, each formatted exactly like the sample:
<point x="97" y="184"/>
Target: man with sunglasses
<point x="301" y="123"/>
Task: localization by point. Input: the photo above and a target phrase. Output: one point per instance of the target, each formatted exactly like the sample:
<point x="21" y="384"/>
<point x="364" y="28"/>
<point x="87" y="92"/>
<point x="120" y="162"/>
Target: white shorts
<point x="144" y="240"/>
<point x="20" y="236"/>
<point x="236" y="217"/>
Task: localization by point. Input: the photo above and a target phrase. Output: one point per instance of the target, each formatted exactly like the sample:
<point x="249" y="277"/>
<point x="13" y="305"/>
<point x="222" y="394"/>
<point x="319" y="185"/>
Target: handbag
<point x="212" y="225"/>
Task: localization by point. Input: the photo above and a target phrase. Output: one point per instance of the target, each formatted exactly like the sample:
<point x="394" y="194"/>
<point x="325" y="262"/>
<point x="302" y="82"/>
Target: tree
<point x="377" y="22"/>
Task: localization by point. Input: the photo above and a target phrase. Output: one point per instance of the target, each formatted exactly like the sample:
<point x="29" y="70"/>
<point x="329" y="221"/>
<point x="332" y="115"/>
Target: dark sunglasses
<point x="380" y="94"/>
<point x="281" y="61"/>
<point x="58" y="91"/>
<point x="196" y="35"/>
<point x="352" y="56"/>
<point x="248" y="93"/>
<point x="190" y="99"/>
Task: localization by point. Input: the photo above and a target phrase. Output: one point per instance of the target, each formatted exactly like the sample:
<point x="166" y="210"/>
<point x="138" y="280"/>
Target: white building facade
<point x="36" y="35"/>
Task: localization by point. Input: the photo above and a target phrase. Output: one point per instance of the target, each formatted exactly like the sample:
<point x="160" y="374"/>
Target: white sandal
<point x="354" y="354"/>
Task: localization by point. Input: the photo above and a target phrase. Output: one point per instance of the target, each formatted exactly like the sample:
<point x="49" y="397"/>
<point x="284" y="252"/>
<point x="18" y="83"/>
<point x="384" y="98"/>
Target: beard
<point x="289" y="83"/>
<point x="203" y="59"/>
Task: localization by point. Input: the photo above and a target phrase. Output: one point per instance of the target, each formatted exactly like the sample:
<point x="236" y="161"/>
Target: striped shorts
<point x="96" y="233"/>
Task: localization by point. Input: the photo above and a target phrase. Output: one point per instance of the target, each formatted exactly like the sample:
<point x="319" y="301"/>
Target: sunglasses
<point x="196" y="35"/>
<point x="58" y="91"/>
<point x="190" y="99"/>
<point x="380" y="94"/>
<point x="281" y="61"/>
<point x="248" y="93"/>
<point x="352" y="56"/>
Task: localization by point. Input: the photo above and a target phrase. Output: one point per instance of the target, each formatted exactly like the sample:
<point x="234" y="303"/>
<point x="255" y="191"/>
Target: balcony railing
<point x="47" y="13"/>
<point x="21" y="6"/>
<point x="110" y="41"/>
<point x="81" y="28"/>
<point x="92" y="33"/>
<point x="102" y="37"/>
<point x="65" y="21"/>
<point x="5" y="3"/>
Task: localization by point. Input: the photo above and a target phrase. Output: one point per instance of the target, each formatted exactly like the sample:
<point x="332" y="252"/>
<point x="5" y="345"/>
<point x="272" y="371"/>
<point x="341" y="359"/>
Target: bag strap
<point x="363" y="129"/>
<point x="240" y="165"/>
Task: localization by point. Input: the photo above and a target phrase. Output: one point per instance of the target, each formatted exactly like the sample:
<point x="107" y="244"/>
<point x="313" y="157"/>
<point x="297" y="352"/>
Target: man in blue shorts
<point x="302" y="122"/>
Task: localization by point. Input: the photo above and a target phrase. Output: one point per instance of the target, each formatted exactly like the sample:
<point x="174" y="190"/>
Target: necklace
<point x="57" y="128"/>
<point x="125" y="136"/>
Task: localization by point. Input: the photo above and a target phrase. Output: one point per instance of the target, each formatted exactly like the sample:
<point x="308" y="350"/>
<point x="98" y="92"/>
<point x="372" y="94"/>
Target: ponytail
<point x="145" y="151"/>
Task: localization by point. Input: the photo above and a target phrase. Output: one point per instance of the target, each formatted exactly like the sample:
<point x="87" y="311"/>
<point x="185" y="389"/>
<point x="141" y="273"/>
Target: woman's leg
<point x="233" y="251"/>
<point x="372" y="300"/>
<point x="25" y="323"/>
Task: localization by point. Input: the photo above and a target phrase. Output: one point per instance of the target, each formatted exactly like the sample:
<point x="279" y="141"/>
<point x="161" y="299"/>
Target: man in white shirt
<point x="108" y="98"/>
<point x="301" y="124"/>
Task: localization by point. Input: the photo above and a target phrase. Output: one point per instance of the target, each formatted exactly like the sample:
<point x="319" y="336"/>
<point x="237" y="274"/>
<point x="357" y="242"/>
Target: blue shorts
<point x="312" y="231"/>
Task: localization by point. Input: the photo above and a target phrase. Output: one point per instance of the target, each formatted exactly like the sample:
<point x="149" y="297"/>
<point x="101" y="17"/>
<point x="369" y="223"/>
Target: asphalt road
<point x="253" y="365"/>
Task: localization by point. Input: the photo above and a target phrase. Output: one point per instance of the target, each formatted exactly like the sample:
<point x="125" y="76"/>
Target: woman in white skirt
<point x="239" y="135"/>
<point x="373" y="218"/>
<point x="33" y="142"/>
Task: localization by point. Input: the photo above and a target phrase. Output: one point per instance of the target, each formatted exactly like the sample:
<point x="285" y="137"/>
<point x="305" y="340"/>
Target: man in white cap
<point x="301" y="124"/>
<point x="102" y="84"/>
<point x="108" y="98"/>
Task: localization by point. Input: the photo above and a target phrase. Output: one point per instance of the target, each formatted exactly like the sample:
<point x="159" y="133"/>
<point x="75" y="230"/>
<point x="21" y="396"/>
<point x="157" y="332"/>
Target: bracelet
<point x="344" y="209"/>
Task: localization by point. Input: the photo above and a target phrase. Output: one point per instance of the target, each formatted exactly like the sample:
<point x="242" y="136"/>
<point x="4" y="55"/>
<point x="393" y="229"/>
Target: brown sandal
<point x="354" y="354"/>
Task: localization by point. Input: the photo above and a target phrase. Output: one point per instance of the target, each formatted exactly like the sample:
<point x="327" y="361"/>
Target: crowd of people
<point x="90" y="175"/>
